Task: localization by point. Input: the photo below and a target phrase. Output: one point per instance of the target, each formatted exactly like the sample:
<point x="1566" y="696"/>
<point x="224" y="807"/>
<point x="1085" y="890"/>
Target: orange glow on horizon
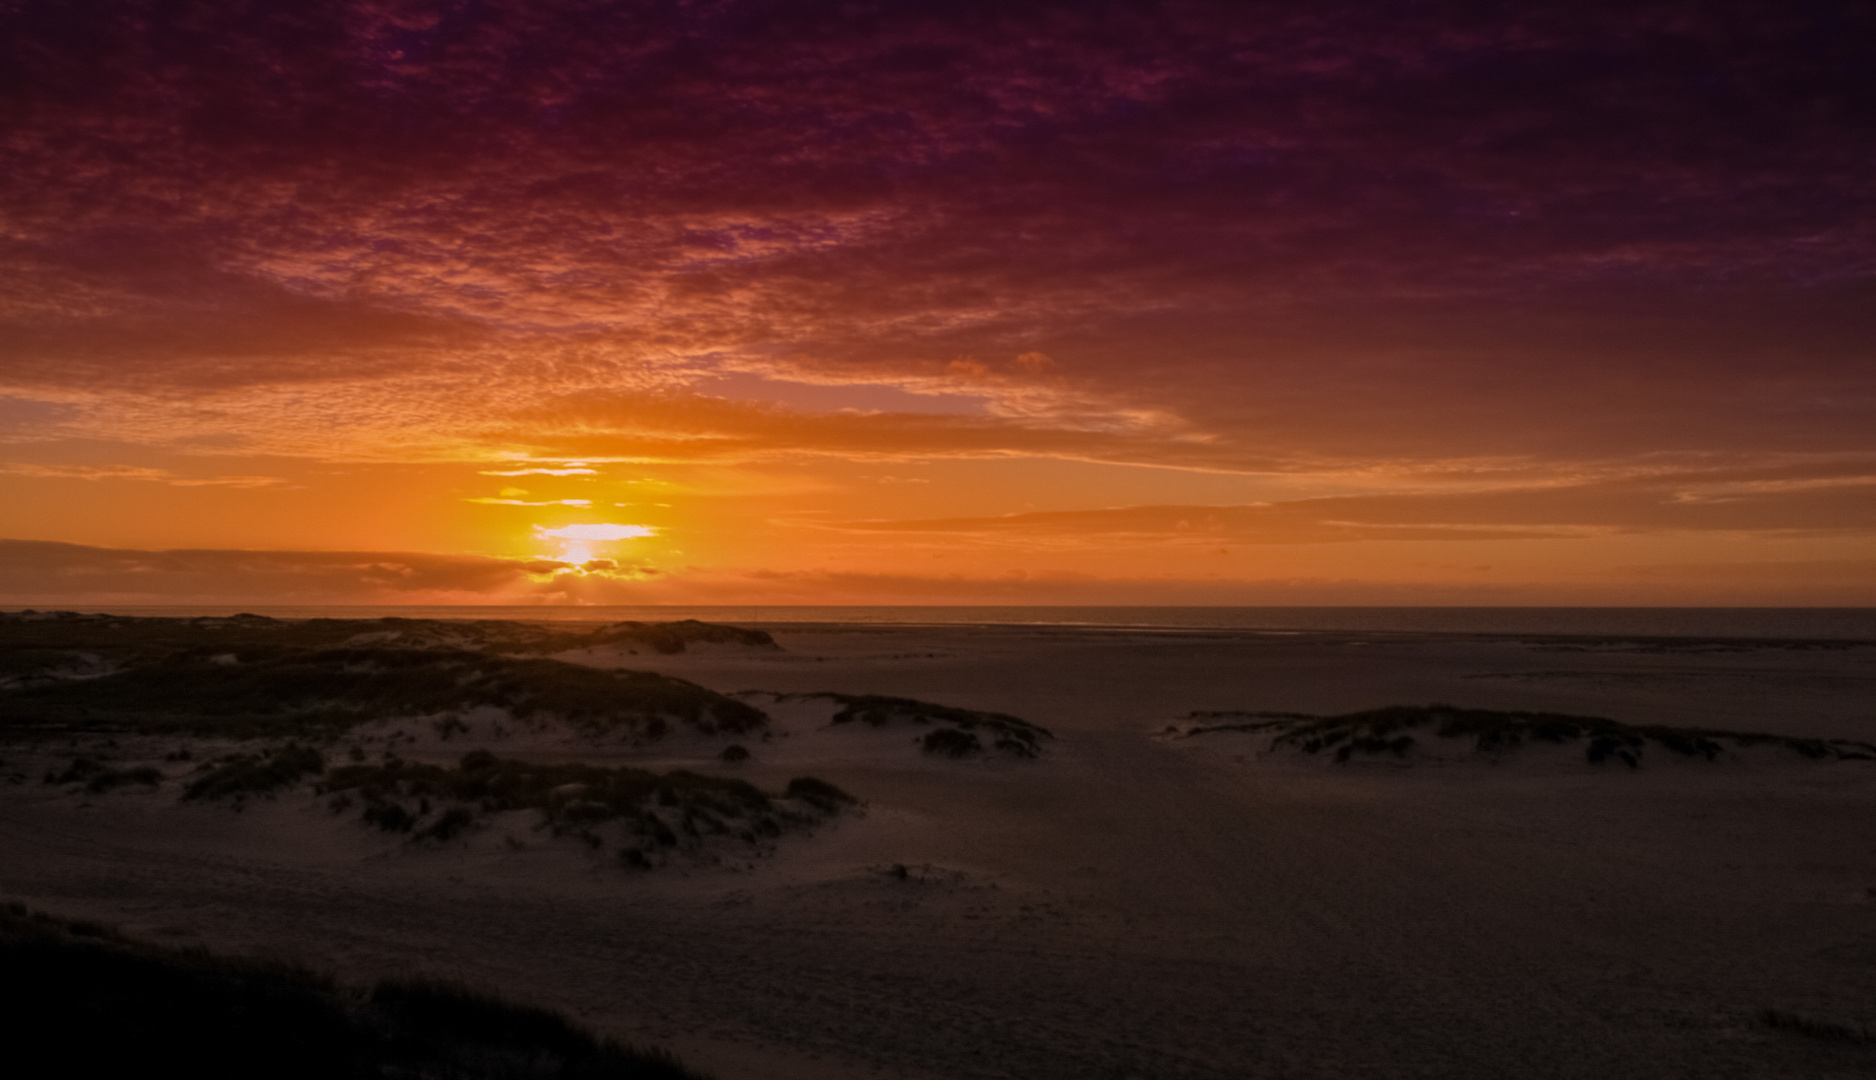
<point x="1034" y="320"/>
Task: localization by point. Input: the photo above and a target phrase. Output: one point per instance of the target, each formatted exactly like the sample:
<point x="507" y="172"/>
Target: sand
<point x="1127" y="905"/>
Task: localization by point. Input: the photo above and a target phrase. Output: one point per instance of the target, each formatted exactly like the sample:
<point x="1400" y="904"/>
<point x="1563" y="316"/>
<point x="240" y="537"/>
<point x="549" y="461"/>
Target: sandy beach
<point x="1135" y="900"/>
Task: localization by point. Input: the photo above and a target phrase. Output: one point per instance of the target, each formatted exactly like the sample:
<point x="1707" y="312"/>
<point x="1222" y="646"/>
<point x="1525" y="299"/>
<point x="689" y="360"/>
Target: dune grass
<point x="652" y="810"/>
<point x="960" y="737"/>
<point x="85" y="1001"/>
<point x="265" y="773"/>
<point x="673" y="637"/>
<point x="819" y="794"/>
<point x="30" y="641"/>
<point x="321" y="693"/>
<point x="1389" y="731"/>
<point x="1815" y="1028"/>
<point x="98" y="778"/>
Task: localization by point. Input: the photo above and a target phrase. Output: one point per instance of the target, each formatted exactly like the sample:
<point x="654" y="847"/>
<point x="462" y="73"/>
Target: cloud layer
<point x="57" y="575"/>
<point x="1318" y="229"/>
<point x="1359" y="246"/>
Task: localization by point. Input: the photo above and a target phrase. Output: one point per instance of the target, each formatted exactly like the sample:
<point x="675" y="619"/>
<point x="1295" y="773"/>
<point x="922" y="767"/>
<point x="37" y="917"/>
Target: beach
<point x="1145" y="896"/>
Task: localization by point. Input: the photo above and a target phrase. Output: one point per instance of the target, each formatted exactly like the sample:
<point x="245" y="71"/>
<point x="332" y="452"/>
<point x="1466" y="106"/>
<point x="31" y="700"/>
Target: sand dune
<point x="1123" y="904"/>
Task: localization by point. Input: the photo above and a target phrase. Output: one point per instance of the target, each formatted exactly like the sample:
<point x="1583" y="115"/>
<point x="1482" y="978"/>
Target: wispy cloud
<point x="1345" y="234"/>
<point x="1408" y="272"/>
<point x="49" y="574"/>
<point x="42" y="572"/>
<point x="135" y="472"/>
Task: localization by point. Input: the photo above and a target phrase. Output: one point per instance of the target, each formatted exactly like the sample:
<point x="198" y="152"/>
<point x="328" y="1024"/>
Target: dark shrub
<point x="389" y="816"/>
<point x="81" y="769"/>
<point x="98" y="1004"/>
<point x="819" y="794"/>
<point x="257" y="774"/>
<point x="571" y="798"/>
<point x="446" y="827"/>
<point x="116" y="778"/>
<point x="950" y="742"/>
<point x="1009" y="734"/>
<point x="322" y="692"/>
<point x="1378" y="730"/>
<point x="733" y="754"/>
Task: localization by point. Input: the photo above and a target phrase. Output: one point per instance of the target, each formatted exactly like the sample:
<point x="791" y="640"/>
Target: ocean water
<point x="1778" y="623"/>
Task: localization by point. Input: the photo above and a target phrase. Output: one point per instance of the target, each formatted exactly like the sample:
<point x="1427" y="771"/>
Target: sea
<point x="1814" y="623"/>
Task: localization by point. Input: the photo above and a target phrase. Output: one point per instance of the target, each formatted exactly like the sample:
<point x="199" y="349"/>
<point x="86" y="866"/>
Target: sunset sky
<point x="754" y="302"/>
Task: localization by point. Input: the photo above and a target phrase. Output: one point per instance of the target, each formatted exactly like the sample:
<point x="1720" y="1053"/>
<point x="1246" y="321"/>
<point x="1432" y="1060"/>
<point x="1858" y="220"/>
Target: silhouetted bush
<point x="110" y="779"/>
<point x="84" y="1001"/>
<point x="1377" y="731"/>
<point x="326" y="691"/>
<point x="1815" y="1028"/>
<point x="1008" y="734"/>
<point x="951" y="742"/>
<point x="571" y="798"/>
<point x="31" y="642"/>
<point x="819" y="794"/>
<point x="80" y="770"/>
<point x="256" y="774"/>
<point x="672" y="637"/>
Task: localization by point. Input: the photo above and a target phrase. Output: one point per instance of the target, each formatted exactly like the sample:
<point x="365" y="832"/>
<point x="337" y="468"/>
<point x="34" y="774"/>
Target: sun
<point x="578" y="539"/>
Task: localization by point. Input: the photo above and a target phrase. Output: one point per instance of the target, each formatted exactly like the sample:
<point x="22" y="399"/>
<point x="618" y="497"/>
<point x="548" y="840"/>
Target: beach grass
<point x="321" y="693"/>
<point x="957" y="737"/>
<point x="87" y="1001"/>
<point x="652" y="810"/>
<point x="1390" y="731"/>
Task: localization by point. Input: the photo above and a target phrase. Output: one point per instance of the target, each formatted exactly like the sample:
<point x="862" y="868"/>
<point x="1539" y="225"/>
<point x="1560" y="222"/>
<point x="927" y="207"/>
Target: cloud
<point x="1821" y="498"/>
<point x="42" y="572"/>
<point x="134" y="472"/>
<point x="1143" y="233"/>
<point x="597" y="532"/>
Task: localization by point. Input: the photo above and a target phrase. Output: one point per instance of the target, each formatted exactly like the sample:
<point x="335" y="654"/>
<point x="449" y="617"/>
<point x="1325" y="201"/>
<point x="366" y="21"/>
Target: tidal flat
<point x="843" y="851"/>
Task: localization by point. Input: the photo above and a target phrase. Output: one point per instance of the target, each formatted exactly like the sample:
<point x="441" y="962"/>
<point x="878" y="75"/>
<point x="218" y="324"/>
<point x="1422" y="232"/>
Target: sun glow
<point x="580" y="538"/>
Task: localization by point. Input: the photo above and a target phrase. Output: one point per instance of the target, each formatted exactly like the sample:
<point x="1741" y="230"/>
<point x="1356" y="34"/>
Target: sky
<point x="743" y="302"/>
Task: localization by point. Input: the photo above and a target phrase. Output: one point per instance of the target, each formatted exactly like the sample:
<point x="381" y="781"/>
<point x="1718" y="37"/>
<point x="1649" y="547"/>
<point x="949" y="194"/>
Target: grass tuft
<point x="951" y="742"/>
<point x="437" y="803"/>
<point x="1384" y="731"/>
<point x="100" y="1004"/>
<point x="318" y="694"/>
<point x="819" y="794"/>
<point x="1815" y="1028"/>
<point x="265" y="773"/>
<point x="1007" y="733"/>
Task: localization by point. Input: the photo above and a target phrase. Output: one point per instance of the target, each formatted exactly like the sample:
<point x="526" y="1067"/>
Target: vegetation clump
<point x="503" y="636"/>
<point x="34" y="640"/>
<point x="819" y="794"/>
<point x="1815" y="1028"/>
<point x="673" y="637"/>
<point x="25" y="666"/>
<point x="324" y="692"/>
<point x="649" y="810"/>
<point x="100" y="1004"/>
<point x="1385" y="730"/>
<point x="951" y="742"/>
<point x="99" y="778"/>
<point x="265" y="773"/>
<point x="960" y="735"/>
